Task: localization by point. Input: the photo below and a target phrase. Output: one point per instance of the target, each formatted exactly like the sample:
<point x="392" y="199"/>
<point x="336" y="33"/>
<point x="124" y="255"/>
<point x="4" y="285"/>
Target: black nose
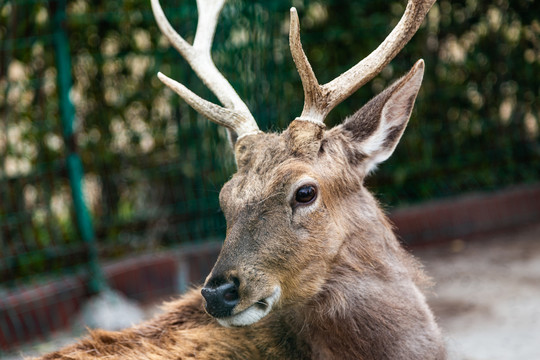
<point x="221" y="297"/>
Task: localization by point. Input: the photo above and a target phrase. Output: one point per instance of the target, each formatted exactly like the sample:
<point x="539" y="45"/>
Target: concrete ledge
<point x="29" y="313"/>
<point x="33" y="311"/>
<point x="468" y="216"/>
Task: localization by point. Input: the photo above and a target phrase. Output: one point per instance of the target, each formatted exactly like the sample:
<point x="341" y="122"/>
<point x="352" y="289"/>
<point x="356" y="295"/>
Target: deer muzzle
<point x="221" y="298"/>
<point x="224" y="302"/>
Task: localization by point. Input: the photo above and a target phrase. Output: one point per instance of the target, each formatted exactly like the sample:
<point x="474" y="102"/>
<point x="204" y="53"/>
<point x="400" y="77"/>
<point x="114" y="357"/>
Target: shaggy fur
<point x="348" y="289"/>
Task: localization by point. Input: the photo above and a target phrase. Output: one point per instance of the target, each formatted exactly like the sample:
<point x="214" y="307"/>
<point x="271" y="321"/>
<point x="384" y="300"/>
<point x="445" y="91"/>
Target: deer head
<point x="298" y="200"/>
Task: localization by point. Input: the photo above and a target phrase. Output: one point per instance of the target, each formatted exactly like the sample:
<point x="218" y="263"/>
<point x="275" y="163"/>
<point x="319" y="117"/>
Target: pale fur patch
<point x="253" y="313"/>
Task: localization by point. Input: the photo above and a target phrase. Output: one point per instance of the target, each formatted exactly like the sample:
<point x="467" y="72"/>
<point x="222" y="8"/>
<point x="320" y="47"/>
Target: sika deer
<point x="310" y="267"/>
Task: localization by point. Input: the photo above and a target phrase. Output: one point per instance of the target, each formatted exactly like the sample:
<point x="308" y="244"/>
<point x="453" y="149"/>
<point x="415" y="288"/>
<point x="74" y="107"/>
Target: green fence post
<point x="73" y="161"/>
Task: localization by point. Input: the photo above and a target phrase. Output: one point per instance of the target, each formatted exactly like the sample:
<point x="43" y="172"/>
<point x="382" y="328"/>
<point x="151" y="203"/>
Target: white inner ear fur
<point x="396" y="112"/>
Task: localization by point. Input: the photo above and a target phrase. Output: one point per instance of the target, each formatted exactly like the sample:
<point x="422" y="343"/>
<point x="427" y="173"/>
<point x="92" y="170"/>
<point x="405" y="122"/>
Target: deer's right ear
<point x="377" y="127"/>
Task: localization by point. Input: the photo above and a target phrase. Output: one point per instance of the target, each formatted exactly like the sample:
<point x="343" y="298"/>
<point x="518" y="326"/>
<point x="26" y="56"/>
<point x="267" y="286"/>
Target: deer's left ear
<point x="377" y="127"/>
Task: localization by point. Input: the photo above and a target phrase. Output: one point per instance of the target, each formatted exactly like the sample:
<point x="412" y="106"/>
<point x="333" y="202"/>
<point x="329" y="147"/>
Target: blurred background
<point x="99" y="160"/>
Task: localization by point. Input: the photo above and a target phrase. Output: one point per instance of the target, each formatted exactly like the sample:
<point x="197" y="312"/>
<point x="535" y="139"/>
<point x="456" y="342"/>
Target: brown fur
<point x="348" y="289"/>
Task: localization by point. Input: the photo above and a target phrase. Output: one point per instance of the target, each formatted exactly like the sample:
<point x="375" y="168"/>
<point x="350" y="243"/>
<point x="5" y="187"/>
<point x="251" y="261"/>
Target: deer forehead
<point x="259" y="154"/>
<point x="273" y="186"/>
<point x="267" y="171"/>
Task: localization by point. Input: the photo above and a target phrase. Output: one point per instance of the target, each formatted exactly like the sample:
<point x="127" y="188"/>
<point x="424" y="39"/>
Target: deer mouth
<point x="253" y="313"/>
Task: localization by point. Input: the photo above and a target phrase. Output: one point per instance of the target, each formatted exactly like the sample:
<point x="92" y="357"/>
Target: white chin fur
<point x="253" y="313"/>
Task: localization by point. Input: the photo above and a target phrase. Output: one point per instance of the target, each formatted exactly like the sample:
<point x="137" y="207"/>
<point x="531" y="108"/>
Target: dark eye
<point x="306" y="194"/>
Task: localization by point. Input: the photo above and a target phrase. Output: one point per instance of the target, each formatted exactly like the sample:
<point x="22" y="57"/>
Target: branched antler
<point x="321" y="99"/>
<point x="235" y="114"/>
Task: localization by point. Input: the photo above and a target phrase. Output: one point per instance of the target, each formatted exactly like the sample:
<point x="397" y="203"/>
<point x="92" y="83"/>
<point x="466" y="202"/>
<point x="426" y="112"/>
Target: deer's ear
<point x="377" y="127"/>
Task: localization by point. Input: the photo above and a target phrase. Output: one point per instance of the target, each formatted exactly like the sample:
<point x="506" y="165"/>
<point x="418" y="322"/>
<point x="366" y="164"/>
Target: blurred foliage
<point x="153" y="167"/>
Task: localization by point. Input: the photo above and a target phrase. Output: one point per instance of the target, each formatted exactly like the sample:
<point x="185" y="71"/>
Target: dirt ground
<point x="486" y="297"/>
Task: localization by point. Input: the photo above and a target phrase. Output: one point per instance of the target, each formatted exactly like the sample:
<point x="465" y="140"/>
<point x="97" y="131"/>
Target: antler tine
<point x="321" y="99"/>
<point x="206" y="26"/>
<point x="312" y="89"/>
<point x="235" y="115"/>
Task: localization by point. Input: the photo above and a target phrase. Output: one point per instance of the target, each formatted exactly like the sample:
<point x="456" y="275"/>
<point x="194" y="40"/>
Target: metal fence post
<point x="73" y="161"/>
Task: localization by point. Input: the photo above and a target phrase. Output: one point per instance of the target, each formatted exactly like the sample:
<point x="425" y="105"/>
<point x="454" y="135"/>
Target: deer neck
<point x="356" y="313"/>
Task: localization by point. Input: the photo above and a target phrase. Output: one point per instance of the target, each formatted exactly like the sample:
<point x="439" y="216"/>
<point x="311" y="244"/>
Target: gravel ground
<point x="486" y="298"/>
<point x="487" y="295"/>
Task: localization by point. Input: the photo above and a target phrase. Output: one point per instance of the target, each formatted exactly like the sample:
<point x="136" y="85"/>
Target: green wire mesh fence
<point x="151" y="168"/>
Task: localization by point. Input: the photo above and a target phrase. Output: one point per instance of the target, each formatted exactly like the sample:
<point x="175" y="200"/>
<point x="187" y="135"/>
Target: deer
<point x="310" y="267"/>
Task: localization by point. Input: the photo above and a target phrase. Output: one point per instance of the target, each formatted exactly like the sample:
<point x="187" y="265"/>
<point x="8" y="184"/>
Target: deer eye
<point x="306" y="194"/>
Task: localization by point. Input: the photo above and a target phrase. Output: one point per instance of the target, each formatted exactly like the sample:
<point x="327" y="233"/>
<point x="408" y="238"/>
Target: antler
<point x="321" y="99"/>
<point x="235" y="115"/>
